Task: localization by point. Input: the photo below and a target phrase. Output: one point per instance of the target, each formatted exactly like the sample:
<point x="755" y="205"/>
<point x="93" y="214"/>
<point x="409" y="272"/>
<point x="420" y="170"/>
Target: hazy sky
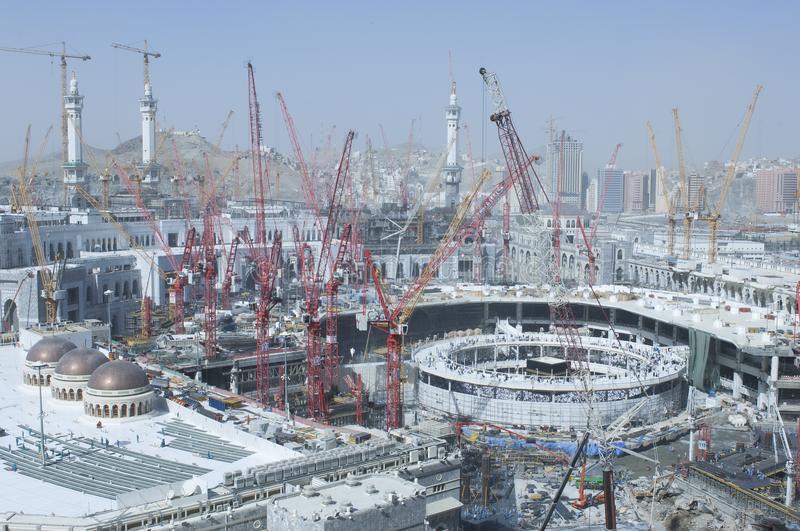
<point x="600" y="68"/>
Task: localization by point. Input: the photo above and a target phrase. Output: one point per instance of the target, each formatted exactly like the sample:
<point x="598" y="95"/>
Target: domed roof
<point x="80" y="362"/>
<point x="49" y="349"/>
<point x="117" y="375"/>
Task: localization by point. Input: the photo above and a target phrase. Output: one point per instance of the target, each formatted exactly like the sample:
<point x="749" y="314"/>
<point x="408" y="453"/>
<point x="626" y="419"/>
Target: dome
<point x="80" y="362"/>
<point x="117" y="375"/>
<point x="49" y="349"/>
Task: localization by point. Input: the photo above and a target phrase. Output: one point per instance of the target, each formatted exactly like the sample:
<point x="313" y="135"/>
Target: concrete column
<point x="737" y="385"/>
<point x="773" y="370"/>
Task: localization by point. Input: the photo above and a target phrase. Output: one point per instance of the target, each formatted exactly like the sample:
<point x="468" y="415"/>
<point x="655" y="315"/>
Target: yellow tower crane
<point x="713" y="217"/>
<point x="146" y="54"/>
<point x="49" y="286"/>
<point x="662" y="179"/>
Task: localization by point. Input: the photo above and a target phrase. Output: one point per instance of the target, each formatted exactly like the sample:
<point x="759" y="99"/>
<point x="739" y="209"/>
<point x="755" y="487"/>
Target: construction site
<point x="361" y="335"/>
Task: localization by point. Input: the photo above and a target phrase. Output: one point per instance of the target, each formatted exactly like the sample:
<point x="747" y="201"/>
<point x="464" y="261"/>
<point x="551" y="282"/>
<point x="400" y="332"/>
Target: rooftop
<point x="79" y="458"/>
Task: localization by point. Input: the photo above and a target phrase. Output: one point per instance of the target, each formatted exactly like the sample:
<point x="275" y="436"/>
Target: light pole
<point x="108" y="293"/>
<point x="39" y="366"/>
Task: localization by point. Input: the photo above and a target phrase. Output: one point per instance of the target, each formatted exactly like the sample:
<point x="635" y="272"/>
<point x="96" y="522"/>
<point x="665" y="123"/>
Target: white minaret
<point x="149" y="166"/>
<point x="452" y="171"/>
<point x="74" y="168"/>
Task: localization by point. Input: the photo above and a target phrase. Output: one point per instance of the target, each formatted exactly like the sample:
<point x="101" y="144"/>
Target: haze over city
<point x="600" y="69"/>
<point x="410" y="266"/>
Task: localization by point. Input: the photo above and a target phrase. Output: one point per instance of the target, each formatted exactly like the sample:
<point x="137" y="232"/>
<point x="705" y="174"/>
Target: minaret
<point x="149" y="168"/>
<point x="452" y="171"/>
<point x="74" y="167"/>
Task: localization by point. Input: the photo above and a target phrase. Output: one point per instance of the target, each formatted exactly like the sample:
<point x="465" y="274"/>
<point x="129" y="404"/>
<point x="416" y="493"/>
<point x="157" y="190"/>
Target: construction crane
<point x="227" y="281"/>
<point x="689" y="210"/>
<point x="255" y="155"/>
<point x="513" y="150"/>
<point x="268" y="270"/>
<point x="50" y="292"/>
<point x="181" y="280"/>
<point x="307" y="180"/>
<point x="590" y="241"/>
<point x="209" y="283"/>
<point x="662" y="179"/>
<point x="394" y="321"/>
<point x="145" y="53"/>
<point x="63" y="55"/>
<point x="713" y="217"/>
<point x="356" y="387"/>
<point x="313" y="284"/>
<point x="222" y="130"/>
<point x="335" y="279"/>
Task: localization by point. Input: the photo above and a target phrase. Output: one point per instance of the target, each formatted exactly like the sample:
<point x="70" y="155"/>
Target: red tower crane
<point x="307" y="181"/>
<point x="255" y="157"/>
<point x="209" y="283"/>
<point x="227" y="281"/>
<point x="313" y="282"/>
<point x="357" y="388"/>
<point x="268" y="268"/>
<point x="180" y="280"/>
<point x="394" y="321"/>
<point x="513" y="150"/>
<point x="332" y="310"/>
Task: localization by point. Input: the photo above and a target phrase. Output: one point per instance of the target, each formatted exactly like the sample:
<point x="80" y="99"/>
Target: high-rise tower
<point x="452" y="171"/>
<point x="149" y="167"/>
<point x="570" y="185"/>
<point x="74" y="167"/>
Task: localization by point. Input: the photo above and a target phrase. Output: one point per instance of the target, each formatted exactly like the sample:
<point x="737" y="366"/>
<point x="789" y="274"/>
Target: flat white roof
<point x="19" y="405"/>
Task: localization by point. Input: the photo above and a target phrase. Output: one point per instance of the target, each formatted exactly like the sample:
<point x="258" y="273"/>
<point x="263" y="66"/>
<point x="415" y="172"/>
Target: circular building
<point x="73" y="371"/>
<point x="525" y="379"/>
<point x="48" y="351"/>
<point x="118" y="389"/>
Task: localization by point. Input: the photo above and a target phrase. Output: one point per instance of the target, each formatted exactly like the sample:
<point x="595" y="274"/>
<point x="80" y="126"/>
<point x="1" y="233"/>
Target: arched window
<point x="106" y="412"/>
<point x="69" y="250"/>
<point x="115" y="411"/>
<point x="126" y="290"/>
<point x="123" y="411"/>
<point x="115" y="243"/>
<point x="79" y="394"/>
<point x="116" y="289"/>
<point x="133" y="410"/>
<point x="135" y="288"/>
<point x="72" y="394"/>
<point x="619" y="254"/>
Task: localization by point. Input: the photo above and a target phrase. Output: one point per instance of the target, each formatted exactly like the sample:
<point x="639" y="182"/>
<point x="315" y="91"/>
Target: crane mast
<point x="313" y="281"/>
<point x="689" y="213"/>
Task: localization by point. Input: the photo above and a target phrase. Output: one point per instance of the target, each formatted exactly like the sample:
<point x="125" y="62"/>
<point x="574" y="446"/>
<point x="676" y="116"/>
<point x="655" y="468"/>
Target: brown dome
<point x="49" y="349"/>
<point x="80" y="362"/>
<point x="117" y="375"/>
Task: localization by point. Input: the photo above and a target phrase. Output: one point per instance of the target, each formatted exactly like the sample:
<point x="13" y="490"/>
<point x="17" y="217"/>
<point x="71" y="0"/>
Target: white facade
<point x="487" y="378"/>
<point x="452" y="171"/>
<point x="147" y="107"/>
<point x="74" y="167"/>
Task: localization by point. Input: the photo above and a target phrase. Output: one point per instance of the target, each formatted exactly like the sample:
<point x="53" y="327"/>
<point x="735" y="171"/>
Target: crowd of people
<point x="611" y="362"/>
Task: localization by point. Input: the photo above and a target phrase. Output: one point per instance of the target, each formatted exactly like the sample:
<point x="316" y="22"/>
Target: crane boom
<point x="688" y="209"/>
<point x="713" y="219"/>
<point x="513" y="150"/>
<point x="145" y="53"/>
